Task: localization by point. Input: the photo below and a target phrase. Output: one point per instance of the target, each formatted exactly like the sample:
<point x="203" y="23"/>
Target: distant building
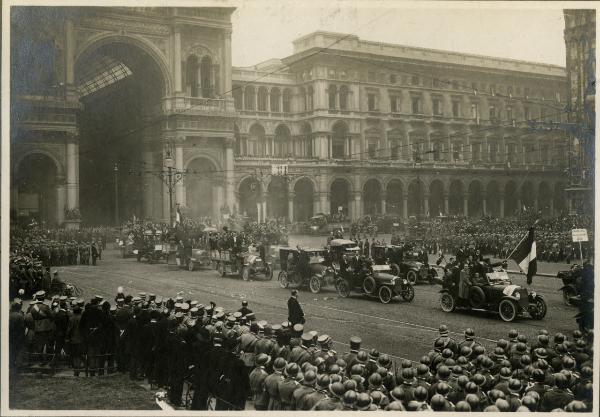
<point x="362" y="127"/>
<point x="580" y="42"/>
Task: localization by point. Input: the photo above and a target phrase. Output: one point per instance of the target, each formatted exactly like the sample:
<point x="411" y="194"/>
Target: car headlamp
<point x="405" y="281"/>
<point x="517" y="295"/>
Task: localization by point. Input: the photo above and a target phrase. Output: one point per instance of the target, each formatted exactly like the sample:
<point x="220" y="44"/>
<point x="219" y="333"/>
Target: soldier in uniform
<point x="557" y="397"/>
<point x="469" y="341"/>
<point x="272" y="384"/>
<point x="247" y="346"/>
<point x="448" y="342"/>
<point x="333" y="400"/>
<point x="61" y="322"/>
<point x="43" y="325"/>
<point x="308" y="401"/>
<point x="245" y="310"/>
<point x="350" y="357"/>
<point x="287" y="386"/>
<point x="257" y="382"/>
<point x="329" y="356"/>
<point x="74" y="338"/>
<point x="91" y="324"/>
<point x="265" y="344"/>
<point x="307" y="388"/>
<point x="16" y="333"/>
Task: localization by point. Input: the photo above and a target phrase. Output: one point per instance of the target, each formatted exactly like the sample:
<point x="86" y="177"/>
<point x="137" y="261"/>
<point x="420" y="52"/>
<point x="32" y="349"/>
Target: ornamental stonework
<point x="126" y="26"/>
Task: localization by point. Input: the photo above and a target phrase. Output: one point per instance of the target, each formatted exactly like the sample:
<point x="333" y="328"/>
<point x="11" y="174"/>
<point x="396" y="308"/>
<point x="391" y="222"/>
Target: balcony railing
<point x="197" y="105"/>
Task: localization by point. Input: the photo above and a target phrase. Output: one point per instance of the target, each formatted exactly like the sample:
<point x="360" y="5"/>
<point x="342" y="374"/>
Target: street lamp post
<point x="116" y="171"/>
<point x="170" y="177"/>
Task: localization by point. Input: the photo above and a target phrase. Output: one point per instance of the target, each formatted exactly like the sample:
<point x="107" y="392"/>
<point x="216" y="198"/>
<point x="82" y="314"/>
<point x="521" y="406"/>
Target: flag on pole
<point x="178" y="216"/>
<point x="525" y="255"/>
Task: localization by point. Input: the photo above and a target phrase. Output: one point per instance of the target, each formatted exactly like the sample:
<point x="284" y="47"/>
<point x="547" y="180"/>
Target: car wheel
<point x="191" y="266"/>
<point x="408" y="293"/>
<point x="221" y="269"/>
<point x="508" y="310"/>
<point x="268" y="272"/>
<point x="245" y="273"/>
<point x="411" y="276"/>
<point x="343" y="288"/>
<point x="283" y="280"/>
<point x="539" y="309"/>
<point x="447" y="302"/>
<point x="385" y="294"/>
<point x="369" y="285"/>
<point x="314" y="284"/>
<point x="568" y="292"/>
<point x="395" y="269"/>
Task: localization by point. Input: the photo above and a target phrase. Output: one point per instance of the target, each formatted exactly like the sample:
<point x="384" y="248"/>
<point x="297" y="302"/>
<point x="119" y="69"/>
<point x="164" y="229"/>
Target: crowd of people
<point x="196" y="352"/>
<point x="34" y="250"/>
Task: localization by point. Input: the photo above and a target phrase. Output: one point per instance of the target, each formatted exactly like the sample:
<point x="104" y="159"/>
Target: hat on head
<point x="237" y="315"/>
<point x="355" y="343"/>
<point x="193" y="303"/>
<point x="297" y="330"/>
<point x="277" y="328"/>
<point x="323" y="340"/>
<point x="306" y="339"/>
<point x="244" y="303"/>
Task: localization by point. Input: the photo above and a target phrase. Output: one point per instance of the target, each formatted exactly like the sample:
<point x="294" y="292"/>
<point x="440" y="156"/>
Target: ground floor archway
<point x="394" y="201"/>
<point x="372" y="197"/>
<point x="340" y="197"/>
<point x="277" y="198"/>
<point x="436" y="198"/>
<point x="249" y="197"/>
<point x="203" y="190"/>
<point x="303" y="199"/>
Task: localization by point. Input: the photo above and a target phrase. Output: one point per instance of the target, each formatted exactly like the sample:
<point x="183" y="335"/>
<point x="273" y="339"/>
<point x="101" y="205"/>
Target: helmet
<point x="396" y="406"/>
<point x="529" y="402"/>
<point x="447" y="353"/>
<point x="377" y="397"/>
<point x="478" y="350"/>
<point x="382" y="371"/>
<point x="350" y="385"/>
<point x="362" y="357"/>
<point x="337" y="389"/>
<point x="521" y="347"/>
<point x="262" y="359"/>
<point x="499" y="352"/>
<point x="495" y="394"/>
<point x="503" y="343"/>
<point x="292" y="369"/>
<point x="357" y="369"/>
<point x="502" y="405"/>
<point x="438" y="402"/>
<point x="334" y="369"/>
<point x="457" y="370"/>
<point x="469" y="333"/>
<point x="577" y="334"/>
<point x="543" y="340"/>
<point x="443" y="372"/>
<point x="384" y="360"/>
<point x="471" y="387"/>
<point x="580" y="344"/>
<point x="525" y="360"/>
<point x="491" y="409"/>
<point x="322" y="381"/>
<point x="512" y="333"/>
<point x="422" y="369"/>
<point x="335" y="378"/>
<point x="472" y="400"/>
<point x="279" y="364"/>
<point x="568" y="362"/>
<point x="363" y="401"/>
<point x="341" y="363"/>
<point x="426" y="360"/>
<point x="350" y="398"/>
<point x="438" y="344"/>
<point x="442" y="388"/>
<point x="408" y="375"/>
<point x="541" y="353"/>
<point x="462" y="406"/>
<point x="443" y="329"/>
<point x="406" y="363"/>
<point x="559" y="338"/>
<point x="505" y="373"/>
<point x="374" y="354"/>
<point x="375" y="380"/>
<point x="463" y="380"/>
<point x="462" y="361"/>
<point x="522" y="338"/>
<point x="514" y="385"/>
<point x="561" y="381"/>
<point x="586" y="372"/>
<point x="397" y="394"/>
<point x="466" y="351"/>
<point x="420" y="393"/>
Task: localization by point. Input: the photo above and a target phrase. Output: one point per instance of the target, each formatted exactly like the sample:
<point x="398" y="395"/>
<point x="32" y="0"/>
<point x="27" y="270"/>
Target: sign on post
<point x="579" y="235"/>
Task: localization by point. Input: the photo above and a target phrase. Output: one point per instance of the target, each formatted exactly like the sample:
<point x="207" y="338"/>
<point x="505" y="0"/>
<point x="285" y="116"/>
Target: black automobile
<point x="304" y="268"/>
<point x="491" y="290"/>
<point x="572" y="281"/>
<point x="406" y="261"/>
<point x="376" y="281"/>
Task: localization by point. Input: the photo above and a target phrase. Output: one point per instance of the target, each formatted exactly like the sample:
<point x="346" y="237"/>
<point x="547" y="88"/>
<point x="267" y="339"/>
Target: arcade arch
<point x="340" y="191"/>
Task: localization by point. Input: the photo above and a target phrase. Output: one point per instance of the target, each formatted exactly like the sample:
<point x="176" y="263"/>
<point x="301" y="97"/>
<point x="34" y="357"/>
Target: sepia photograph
<point x="225" y="206"/>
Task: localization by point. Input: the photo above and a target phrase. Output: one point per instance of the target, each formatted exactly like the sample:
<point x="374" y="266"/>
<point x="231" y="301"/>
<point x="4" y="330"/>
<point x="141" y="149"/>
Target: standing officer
<point x="245" y="310"/>
<point x="257" y="383"/>
<point x="295" y="312"/>
<point x="43" y="324"/>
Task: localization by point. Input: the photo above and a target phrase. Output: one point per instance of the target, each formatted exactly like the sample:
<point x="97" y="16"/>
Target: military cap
<point x="63" y="298"/>
<point x="244" y="303"/>
<point x="179" y="298"/>
<point x="314" y="334"/>
<point x="193" y="303"/>
<point x="217" y="340"/>
<point x="185" y="307"/>
<point x="277" y="328"/>
<point x="298" y="329"/>
<point x="151" y="297"/>
<point x="237" y="315"/>
<point x="72" y="299"/>
<point x="80" y="301"/>
<point x="40" y="294"/>
<point x="279" y="364"/>
<point x="136" y="300"/>
<point x="306" y="339"/>
<point x="179" y="315"/>
<point x="194" y="311"/>
<point x="209" y="308"/>
<point x="113" y="308"/>
<point x="262" y="359"/>
<point x="231" y="319"/>
<point x="355" y="343"/>
<point x="201" y="307"/>
<point x="323" y="339"/>
<point x="286" y="325"/>
<point x="219" y="309"/>
<point x="262" y="324"/>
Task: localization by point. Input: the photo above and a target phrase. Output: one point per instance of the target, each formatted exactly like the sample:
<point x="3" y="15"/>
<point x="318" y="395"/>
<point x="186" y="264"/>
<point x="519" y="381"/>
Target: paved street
<point x="404" y="330"/>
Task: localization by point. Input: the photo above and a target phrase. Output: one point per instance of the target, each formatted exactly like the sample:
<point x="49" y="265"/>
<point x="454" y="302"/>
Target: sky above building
<point x="265" y="30"/>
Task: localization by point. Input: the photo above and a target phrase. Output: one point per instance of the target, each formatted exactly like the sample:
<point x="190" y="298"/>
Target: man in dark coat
<point x="295" y="312"/>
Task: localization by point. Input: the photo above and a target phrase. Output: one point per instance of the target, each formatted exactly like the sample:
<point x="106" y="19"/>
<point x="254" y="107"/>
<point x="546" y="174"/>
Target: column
<point x="501" y="205"/>
<point x="383" y="203"/>
<point x="264" y="208"/>
<point x="357" y="212"/>
<point x="227" y="63"/>
<point x="177" y="58"/>
<point x="60" y="200"/>
<point x="229" y="173"/>
<point x="330" y="145"/>
<point x="323" y="202"/>
<point x="446" y="204"/>
<point x="72" y="184"/>
<point x="256" y="99"/>
<point x="69" y="53"/>
<point x="243" y="98"/>
<point x="268" y="100"/>
<point x="179" y="187"/>
<point x="466" y="204"/>
<point x="291" y="195"/>
<point x="484" y="203"/>
<point x="404" y="204"/>
<point x="281" y="102"/>
<point x="426" y="205"/>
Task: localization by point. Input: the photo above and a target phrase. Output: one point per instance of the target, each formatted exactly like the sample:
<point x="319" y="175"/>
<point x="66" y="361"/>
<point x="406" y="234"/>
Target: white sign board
<point x="579" y="235"/>
<point x="279" y="169"/>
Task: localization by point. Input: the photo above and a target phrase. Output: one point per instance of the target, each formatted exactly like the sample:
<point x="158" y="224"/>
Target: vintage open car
<point x="248" y="264"/>
<point x="491" y="290"/>
<point x="318" y="224"/>
<point x="201" y="256"/>
<point x="571" y="283"/>
<point x="304" y="268"/>
<point x="404" y="261"/>
<point x="153" y="249"/>
<point x="374" y="281"/>
<point x="126" y="244"/>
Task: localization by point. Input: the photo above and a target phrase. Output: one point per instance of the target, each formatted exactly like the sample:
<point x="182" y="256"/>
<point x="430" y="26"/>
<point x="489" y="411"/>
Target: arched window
<point x="206" y="81"/>
<point x="191" y="76"/>
<point x="343" y="97"/>
<point x="332" y="96"/>
<point x="262" y="99"/>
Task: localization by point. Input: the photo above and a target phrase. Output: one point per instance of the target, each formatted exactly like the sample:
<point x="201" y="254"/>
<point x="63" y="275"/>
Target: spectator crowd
<point x="202" y="355"/>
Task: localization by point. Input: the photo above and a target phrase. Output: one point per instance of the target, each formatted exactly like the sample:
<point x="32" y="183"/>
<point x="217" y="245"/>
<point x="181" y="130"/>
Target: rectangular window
<point x="456" y="151"/>
<point x="394" y="143"/>
<point x="493" y="152"/>
<point x="394" y="104"/>
<point x="475" y="111"/>
<point x="509" y="115"/>
<point x="557" y="96"/>
<point x="371" y="102"/>
<point x="372" y="150"/>
<point x="437" y="107"/>
<point x="416" y="105"/>
<point x="392" y="78"/>
<point x="455" y="109"/>
<point x="476" y="152"/>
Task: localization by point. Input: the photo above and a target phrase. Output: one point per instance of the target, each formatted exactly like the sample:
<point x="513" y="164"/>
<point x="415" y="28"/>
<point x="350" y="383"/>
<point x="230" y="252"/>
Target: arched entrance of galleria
<point x="121" y="87"/>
